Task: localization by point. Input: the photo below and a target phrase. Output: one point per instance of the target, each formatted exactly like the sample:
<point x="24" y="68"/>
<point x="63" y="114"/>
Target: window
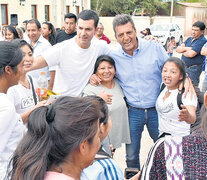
<point x="47" y="13"/>
<point x="67" y="9"/>
<point x="4" y="14"/>
<point x="34" y="11"/>
<point x="77" y="9"/>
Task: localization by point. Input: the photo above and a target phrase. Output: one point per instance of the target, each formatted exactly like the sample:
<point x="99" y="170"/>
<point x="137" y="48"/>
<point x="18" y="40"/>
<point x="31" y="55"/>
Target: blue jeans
<point x="194" y="73"/>
<point x="137" y="119"/>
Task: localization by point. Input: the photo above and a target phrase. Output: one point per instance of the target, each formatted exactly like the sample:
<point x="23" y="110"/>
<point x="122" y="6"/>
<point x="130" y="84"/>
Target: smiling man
<point x="138" y="68"/>
<point x="74" y="58"/>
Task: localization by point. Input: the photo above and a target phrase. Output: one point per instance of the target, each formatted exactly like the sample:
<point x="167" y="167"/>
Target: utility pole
<point x="171" y="11"/>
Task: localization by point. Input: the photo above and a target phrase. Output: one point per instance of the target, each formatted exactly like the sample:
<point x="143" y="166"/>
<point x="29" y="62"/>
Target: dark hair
<point x="25" y="21"/>
<point x="88" y="15"/>
<point x="12" y="30"/>
<point x="148" y="31"/>
<point x="102" y="58"/>
<point x="180" y="64"/>
<point x="104" y="109"/>
<point x="52" y="35"/>
<point x="21" y="42"/>
<point x="31" y="21"/>
<point x="54" y="132"/>
<point x="200" y="24"/>
<point x="70" y="16"/>
<point x="122" y="19"/>
<point x="10" y="55"/>
<point x="172" y="37"/>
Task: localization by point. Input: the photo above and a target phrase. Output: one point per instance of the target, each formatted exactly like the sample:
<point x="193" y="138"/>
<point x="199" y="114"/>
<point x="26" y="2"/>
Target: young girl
<point x="11" y="125"/>
<point x="172" y="120"/>
<point x="62" y="139"/>
<point x="23" y="94"/>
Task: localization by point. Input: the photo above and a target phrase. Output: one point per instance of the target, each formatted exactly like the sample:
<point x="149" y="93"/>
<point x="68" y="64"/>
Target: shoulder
<point x="50" y="175"/>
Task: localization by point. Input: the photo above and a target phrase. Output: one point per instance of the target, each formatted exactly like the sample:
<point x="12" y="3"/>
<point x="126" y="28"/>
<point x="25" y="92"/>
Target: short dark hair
<point x="10" y="55"/>
<point x="70" y="16"/>
<point x="122" y="19"/>
<point x="102" y="58"/>
<point x="25" y="21"/>
<point x="88" y="15"/>
<point x="200" y="24"/>
<point x="12" y="30"/>
<point x="34" y="21"/>
<point x="172" y="37"/>
<point x="180" y="64"/>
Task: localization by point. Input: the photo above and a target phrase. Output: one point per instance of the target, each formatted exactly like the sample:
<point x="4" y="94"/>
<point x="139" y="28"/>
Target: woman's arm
<point x="25" y="116"/>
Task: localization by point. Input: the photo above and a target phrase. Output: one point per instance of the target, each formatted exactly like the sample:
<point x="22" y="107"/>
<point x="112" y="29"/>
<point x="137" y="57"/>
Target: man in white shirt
<point x="74" y="58"/>
<point x="39" y="45"/>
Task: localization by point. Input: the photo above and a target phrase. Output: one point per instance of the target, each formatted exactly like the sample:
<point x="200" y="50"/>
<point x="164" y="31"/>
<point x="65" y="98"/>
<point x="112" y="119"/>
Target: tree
<point x="113" y="7"/>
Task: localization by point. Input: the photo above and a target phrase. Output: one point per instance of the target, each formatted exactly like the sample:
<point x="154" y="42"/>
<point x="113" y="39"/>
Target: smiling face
<point x="105" y="71"/>
<point x="27" y="57"/>
<point x="33" y="32"/>
<point x="126" y="37"/>
<point x="9" y="35"/>
<point x="85" y="32"/>
<point x="171" y="75"/>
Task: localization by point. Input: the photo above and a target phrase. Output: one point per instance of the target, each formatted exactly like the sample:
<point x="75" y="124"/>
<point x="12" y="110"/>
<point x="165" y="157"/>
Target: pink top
<point x="51" y="175"/>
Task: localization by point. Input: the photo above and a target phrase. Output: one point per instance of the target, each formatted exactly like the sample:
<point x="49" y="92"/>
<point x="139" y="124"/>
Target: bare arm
<point x="204" y="51"/>
<point x="188" y="85"/>
<point x="182" y="48"/>
<point x="39" y="62"/>
<point x="52" y="78"/>
<point x="190" y="53"/>
<point x="25" y="115"/>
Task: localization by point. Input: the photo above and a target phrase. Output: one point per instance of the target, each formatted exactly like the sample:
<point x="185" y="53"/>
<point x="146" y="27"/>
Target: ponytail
<point x="33" y="149"/>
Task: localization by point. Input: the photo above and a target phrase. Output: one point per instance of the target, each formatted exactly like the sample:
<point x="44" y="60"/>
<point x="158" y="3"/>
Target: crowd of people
<point x="107" y="95"/>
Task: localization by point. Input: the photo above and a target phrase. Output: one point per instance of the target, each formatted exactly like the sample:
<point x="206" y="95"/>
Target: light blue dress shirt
<point x="140" y="75"/>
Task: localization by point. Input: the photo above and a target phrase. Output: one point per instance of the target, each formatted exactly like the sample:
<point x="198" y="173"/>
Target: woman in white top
<point x="172" y="120"/>
<point x="11" y="125"/>
<point x="23" y="94"/>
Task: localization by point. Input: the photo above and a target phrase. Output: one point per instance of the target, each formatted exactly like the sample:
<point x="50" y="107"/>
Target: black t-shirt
<point x="62" y="36"/>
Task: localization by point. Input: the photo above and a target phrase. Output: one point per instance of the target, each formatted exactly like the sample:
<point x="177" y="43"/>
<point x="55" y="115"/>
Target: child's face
<point x="171" y="75"/>
<point x="172" y="40"/>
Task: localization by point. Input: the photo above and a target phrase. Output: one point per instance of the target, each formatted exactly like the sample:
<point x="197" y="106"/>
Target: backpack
<point x="179" y="96"/>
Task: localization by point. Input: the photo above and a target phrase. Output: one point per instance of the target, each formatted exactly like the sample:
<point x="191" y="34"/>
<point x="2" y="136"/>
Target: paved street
<point x="146" y="142"/>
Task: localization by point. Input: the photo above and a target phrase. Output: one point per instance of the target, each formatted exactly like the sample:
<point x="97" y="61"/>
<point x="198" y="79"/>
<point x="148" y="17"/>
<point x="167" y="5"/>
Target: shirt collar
<point x="135" y="51"/>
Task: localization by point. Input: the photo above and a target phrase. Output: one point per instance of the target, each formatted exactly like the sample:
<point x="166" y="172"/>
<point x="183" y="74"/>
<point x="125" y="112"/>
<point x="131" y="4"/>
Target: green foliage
<point x="113" y="7"/>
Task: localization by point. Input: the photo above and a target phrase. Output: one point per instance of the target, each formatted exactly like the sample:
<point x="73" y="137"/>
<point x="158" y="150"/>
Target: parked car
<point x="165" y="31"/>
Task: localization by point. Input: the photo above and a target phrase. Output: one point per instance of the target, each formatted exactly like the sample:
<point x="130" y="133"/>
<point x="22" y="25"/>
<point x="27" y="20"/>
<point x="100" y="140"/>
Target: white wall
<point x="57" y="9"/>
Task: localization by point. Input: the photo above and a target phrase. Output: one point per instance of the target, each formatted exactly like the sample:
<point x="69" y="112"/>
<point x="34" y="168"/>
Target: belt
<point x="144" y="109"/>
<point x="196" y="65"/>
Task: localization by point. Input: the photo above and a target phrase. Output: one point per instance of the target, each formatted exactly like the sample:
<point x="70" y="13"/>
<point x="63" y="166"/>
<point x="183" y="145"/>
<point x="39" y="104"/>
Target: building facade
<point x="16" y="11"/>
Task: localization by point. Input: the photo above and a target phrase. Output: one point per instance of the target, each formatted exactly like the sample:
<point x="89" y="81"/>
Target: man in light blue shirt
<point x="138" y="69"/>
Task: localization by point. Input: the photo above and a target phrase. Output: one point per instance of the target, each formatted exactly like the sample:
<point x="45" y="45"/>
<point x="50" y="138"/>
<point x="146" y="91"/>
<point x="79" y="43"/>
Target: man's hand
<point x="95" y="80"/>
<point x="106" y="97"/>
<point x="188" y="88"/>
<point x="187" y="114"/>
